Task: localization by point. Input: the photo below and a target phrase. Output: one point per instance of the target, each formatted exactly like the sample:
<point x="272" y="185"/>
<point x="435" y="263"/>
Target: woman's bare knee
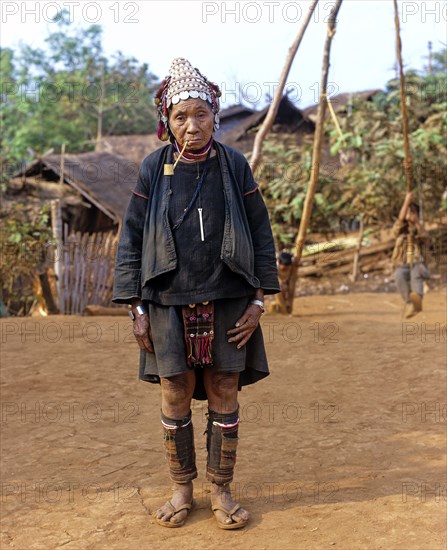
<point x="176" y="394"/>
<point x="221" y="389"/>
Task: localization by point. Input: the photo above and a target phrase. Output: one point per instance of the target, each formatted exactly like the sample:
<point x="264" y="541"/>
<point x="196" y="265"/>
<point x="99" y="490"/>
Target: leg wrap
<point x="178" y="438"/>
<point x="221" y="444"/>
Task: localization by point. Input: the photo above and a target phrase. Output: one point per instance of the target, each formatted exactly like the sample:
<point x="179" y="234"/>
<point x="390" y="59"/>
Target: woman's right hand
<point x="142" y="332"/>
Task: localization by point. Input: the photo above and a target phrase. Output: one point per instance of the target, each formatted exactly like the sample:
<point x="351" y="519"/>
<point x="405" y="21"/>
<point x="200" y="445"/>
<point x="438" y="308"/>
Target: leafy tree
<point x="284" y="177"/>
<point x="371" y="184"/>
<point x="71" y="93"/>
<point x="374" y="184"/>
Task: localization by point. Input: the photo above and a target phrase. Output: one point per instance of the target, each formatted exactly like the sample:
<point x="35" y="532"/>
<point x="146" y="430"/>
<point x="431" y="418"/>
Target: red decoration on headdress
<point x="182" y="83"/>
<point x="162" y="132"/>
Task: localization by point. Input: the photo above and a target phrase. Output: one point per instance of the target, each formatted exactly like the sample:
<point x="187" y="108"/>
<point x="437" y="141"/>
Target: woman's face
<point x="192" y="120"/>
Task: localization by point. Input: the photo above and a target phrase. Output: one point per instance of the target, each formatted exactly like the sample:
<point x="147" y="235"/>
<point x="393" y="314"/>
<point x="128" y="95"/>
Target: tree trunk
<point x="274" y="106"/>
<point x="316" y="154"/>
<point x="100" y="113"/>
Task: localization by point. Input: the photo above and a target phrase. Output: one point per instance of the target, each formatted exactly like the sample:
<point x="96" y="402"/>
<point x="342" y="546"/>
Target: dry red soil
<point x="343" y="446"/>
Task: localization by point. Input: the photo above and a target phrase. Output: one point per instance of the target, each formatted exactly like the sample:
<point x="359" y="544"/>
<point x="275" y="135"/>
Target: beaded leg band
<point x="178" y="436"/>
<point x="221" y="444"/>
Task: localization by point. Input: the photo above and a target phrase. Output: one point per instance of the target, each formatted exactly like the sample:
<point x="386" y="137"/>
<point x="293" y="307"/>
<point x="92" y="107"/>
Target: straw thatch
<point x="340" y="102"/>
<point x="132" y="147"/>
<point x="104" y="181"/>
<point x="289" y="120"/>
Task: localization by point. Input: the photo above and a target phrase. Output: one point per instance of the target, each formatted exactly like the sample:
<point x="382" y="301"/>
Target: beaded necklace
<point x="192" y="157"/>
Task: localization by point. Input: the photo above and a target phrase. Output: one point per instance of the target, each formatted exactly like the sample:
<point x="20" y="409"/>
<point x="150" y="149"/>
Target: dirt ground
<point x="343" y="446"/>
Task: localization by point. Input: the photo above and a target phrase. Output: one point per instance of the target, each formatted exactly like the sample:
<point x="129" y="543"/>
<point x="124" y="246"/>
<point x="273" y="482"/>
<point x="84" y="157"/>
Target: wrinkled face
<point x="192" y="120"/>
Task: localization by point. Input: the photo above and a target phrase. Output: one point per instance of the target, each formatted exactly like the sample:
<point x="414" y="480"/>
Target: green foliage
<point x="284" y="177"/>
<point x="71" y="93"/>
<point x="375" y="182"/>
<point x="371" y="181"/>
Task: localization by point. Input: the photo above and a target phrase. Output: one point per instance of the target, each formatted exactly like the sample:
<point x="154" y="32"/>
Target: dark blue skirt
<point x="169" y="358"/>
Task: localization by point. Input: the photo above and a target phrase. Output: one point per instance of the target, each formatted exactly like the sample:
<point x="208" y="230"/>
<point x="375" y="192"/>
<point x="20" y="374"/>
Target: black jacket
<point x="146" y="248"/>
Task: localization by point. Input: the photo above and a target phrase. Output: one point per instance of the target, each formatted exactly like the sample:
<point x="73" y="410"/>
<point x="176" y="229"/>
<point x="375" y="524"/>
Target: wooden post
<point x="62" y="164"/>
<point x="316" y="154"/>
<point x="47" y="294"/>
<point x="403" y="103"/>
<point x="56" y="226"/>
<point x="274" y="106"/>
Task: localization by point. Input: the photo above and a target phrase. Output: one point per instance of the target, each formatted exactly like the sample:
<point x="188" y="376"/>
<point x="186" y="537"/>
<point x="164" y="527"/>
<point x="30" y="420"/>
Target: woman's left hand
<point x="245" y="326"/>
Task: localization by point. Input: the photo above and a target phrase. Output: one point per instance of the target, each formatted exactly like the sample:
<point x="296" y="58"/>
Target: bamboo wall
<point x="86" y="267"/>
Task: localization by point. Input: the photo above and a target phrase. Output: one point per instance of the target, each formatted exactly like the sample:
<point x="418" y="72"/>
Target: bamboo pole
<point x="316" y="154"/>
<point x="408" y="162"/>
<point x="403" y="103"/>
<point x="62" y="164"/>
<point x="342" y="155"/>
<point x="277" y="96"/>
<point x="56" y="227"/>
<point x="334" y="116"/>
<point x="76" y="267"/>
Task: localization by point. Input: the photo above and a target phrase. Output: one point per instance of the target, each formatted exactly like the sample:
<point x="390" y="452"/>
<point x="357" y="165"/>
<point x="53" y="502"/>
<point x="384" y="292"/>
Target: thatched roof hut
<point x="340" y="102"/>
<point x="132" y="147"/>
<point x="289" y="120"/>
<point x="94" y="192"/>
<point x="231" y="117"/>
<point x="137" y="147"/>
<point x="237" y="129"/>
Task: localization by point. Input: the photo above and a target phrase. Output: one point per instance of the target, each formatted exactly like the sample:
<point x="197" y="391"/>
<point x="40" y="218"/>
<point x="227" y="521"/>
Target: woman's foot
<point x="228" y="513"/>
<point x="416" y="300"/>
<point x="181" y="500"/>
<point x="415" y="305"/>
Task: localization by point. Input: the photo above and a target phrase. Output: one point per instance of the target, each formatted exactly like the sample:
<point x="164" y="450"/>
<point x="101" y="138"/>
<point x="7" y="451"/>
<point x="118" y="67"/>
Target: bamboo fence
<point x="86" y="271"/>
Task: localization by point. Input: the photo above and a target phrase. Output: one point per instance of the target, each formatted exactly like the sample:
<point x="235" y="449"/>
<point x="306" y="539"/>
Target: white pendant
<point x="202" y="234"/>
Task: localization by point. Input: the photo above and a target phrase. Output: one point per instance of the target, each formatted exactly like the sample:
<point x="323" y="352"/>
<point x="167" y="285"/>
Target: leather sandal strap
<point x="175" y="510"/>
<point x="185" y="506"/>
<point x="229" y="513"/>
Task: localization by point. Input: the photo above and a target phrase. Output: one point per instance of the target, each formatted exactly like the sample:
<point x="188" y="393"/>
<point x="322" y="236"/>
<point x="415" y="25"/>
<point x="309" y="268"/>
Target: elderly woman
<point x="195" y="258"/>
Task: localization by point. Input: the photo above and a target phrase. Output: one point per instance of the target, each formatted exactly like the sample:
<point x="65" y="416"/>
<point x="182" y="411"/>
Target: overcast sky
<point x="242" y="45"/>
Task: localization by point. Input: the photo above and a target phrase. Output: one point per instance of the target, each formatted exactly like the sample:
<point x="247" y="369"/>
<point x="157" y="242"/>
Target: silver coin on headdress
<point x="183" y="82"/>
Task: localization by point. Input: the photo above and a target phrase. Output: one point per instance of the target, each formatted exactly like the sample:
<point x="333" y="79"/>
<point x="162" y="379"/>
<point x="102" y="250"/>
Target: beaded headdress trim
<point x="184" y="82"/>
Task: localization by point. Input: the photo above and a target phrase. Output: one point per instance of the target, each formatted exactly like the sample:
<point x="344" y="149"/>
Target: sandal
<point x="230" y="514"/>
<point x="168" y="522"/>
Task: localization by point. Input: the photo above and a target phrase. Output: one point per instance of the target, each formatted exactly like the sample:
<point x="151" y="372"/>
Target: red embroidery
<point x="252" y="191"/>
<point x="138" y="195"/>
